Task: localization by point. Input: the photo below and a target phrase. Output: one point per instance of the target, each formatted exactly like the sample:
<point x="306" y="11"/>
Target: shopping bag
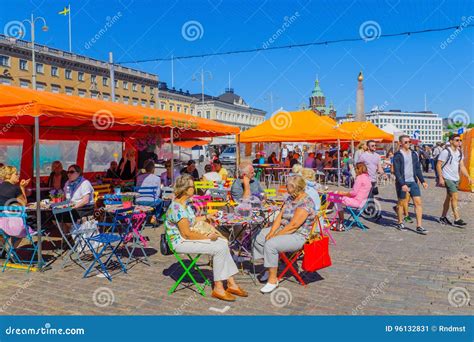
<point x="316" y="254"/>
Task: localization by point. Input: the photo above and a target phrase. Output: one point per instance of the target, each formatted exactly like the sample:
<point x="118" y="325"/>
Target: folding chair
<point x="270" y="192"/>
<point x="292" y="261"/>
<point x="203" y="185"/>
<point x="356" y="213"/>
<point x="187" y="270"/>
<point x="10" y="241"/>
<point x="112" y="240"/>
<point x="218" y="195"/>
<point x="77" y="248"/>
<point x="136" y="239"/>
<point x="100" y="190"/>
<point x="156" y="203"/>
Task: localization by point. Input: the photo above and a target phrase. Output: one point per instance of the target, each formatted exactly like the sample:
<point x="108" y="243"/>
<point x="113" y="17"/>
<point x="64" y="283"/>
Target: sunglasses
<point x="370" y="146"/>
<point x="457" y="140"/>
<point x="406" y="142"/>
<point x="71" y="172"/>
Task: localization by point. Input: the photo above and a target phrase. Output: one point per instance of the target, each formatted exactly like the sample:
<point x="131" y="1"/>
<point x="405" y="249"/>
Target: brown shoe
<point x="226" y="297"/>
<point x="238" y="292"/>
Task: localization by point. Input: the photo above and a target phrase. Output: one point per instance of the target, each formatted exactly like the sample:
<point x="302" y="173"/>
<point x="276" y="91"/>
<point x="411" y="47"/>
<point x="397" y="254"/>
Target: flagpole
<point x="70" y="36"/>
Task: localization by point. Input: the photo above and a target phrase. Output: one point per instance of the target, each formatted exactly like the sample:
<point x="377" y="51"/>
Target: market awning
<point x="191" y="143"/>
<point x="19" y="106"/>
<point x="366" y="131"/>
<point x="295" y="127"/>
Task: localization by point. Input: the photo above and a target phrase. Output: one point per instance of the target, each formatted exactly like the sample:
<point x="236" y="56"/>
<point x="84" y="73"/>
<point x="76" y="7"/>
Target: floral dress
<point x="289" y="209"/>
<point x="176" y="212"/>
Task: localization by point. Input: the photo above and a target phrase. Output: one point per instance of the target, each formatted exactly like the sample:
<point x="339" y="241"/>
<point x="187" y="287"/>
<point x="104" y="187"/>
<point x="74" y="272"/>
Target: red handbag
<point x="316" y="254"/>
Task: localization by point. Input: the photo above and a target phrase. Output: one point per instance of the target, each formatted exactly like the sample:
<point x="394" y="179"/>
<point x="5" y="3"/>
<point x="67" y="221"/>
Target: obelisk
<point x="360" y="115"/>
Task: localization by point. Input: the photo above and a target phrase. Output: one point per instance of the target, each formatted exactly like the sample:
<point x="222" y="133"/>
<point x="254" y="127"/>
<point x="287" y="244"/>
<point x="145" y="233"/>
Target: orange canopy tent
<point x="366" y="131"/>
<point x="299" y="126"/>
<point x="468" y="154"/>
<point x="191" y="143"/>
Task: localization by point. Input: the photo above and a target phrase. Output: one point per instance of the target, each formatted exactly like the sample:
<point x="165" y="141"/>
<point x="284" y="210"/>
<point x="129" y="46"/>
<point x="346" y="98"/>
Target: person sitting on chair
<point x="245" y="186"/>
<point x="288" y="233"/>
<point x="355" y="198"/>
<point x="179" y="224"/>
<point x="112" y="171"/>
<point x="80" y="194"/>
<point x="209" y="175"/>
<point x="190" y="169"/>
<point x="58" y="176"/>
<point x="127" y="167"/>
<point x="148" y="179"/>
<point x="223" y="173"/>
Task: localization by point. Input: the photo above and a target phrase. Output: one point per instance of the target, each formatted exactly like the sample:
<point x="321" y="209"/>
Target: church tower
<point x="317" y="101"/>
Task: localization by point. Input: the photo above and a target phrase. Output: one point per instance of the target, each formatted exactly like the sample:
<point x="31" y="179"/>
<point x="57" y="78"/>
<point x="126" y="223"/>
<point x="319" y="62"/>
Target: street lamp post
<point x="32" y="22"/>
<point x="202" y="75"/>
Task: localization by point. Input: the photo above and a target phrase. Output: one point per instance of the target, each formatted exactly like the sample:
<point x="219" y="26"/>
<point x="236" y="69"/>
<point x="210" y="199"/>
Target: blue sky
<point x="398" y="71"/>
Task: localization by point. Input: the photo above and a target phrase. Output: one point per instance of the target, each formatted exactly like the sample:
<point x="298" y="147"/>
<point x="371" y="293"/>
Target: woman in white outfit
<point x="180" y="218"/>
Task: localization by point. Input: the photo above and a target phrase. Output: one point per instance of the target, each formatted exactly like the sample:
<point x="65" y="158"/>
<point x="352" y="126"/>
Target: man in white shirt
<point x="284" y="153"/>
<point x="149" y="180"/>
<point x="450" y="164"/>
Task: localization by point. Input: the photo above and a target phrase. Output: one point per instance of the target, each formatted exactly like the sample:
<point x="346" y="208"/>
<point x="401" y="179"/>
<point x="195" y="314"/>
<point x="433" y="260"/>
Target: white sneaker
<point x="268" y="288"/>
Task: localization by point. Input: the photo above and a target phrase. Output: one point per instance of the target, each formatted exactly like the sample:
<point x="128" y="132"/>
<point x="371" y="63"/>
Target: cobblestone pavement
<point x="379" y="271"/>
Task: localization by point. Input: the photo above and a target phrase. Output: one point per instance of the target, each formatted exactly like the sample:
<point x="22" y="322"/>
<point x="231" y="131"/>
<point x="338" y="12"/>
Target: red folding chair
<point x="292" y="260"/>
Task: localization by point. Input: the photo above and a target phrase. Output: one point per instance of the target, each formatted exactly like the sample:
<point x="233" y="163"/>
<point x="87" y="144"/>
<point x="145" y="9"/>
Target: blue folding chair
<point x="74" y="240"/>
<point x="150" y="193"/>
<point x="10" y="241"/>
<point x="111" y="239"/>
<point x="111" y="199"/>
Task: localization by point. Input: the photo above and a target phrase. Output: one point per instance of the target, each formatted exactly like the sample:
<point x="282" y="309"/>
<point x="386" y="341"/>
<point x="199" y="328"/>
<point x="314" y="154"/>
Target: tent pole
<point x="172" y="155"/>
<point x="38" y="192"/>
<point x="338" y="162"/>
<point x="352" y="148"/>
<point x="237" y="139"/>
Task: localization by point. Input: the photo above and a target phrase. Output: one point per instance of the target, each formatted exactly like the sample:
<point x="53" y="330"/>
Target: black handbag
<point x="164" y="247"/>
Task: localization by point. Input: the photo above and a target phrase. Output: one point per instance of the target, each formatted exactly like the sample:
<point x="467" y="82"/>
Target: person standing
<point x="284" y="153"/>
<point x="407" y="168"/>
<point x="361" y="148"/>
<point x="372" y="160"/>
<point x="450" y="164"/>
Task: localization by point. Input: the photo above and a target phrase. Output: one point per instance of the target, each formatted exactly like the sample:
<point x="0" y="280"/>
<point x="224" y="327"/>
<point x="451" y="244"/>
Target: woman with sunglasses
<point x="79" y="192"/>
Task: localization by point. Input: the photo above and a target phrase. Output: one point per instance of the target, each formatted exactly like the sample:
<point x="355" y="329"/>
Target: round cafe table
<point x="136" y="208"/>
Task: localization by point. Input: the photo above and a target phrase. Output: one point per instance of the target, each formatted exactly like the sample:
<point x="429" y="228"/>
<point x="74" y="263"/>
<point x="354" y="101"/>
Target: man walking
<point x="408" y="173"/>
<point x="372" y="160"/>
<point x="450" y="164"/>
<point x="437" y="150"/>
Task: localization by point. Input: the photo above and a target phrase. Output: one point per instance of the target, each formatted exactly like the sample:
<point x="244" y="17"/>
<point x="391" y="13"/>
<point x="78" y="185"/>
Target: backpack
<point x="450" y="157"/>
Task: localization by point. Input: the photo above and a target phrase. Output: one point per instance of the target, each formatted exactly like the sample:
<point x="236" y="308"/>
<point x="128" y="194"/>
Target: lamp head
<point x="44" y="28"/>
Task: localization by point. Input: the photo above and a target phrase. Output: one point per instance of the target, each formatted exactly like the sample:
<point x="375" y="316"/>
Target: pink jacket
<point x="359" y="193"/>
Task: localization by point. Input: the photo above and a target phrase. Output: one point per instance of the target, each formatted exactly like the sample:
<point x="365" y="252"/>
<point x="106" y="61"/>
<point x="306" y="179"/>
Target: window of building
<point x="162" y="106"/>
<point x="116" y="85"/>
<point x="40" y="86"/>
<point x="125" y="85"/>
<point x="185" y="110"/>
<point x="54" y="71"/>
<point x="39" y="68"/>
<point x="99" y="153"/>
<point x="171" y="107"/>
<point x="23" y="64"/>
<point x="106" y="96"/>
<point x="192" y="111"/>
<point x="117" y="98"/>
<point x="143" y="89"/>
<point x="178" y="108"/>
<point x="94" y="94"/>
<point x="152" y="90"/>
<point x="93" y="79"/>
<point x="82" y="93"/>
<point x="69" y="91"/>
<point x="24" y="84"/>
<point x="80" y="76"/>
<point x="134" y="87"/>
<point x="55" y="88"/>
<point x="4" y="61"/>
<point x="208" y="114"/>
<point x="135" y="101"/>
<point x="143" y="103"/>
<point x="5" y="81"/>
<point x="105" y="81"/>
<point x="68" y="74"/>
<point x="152" y="104"/>
<point x="126" y="99"/>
